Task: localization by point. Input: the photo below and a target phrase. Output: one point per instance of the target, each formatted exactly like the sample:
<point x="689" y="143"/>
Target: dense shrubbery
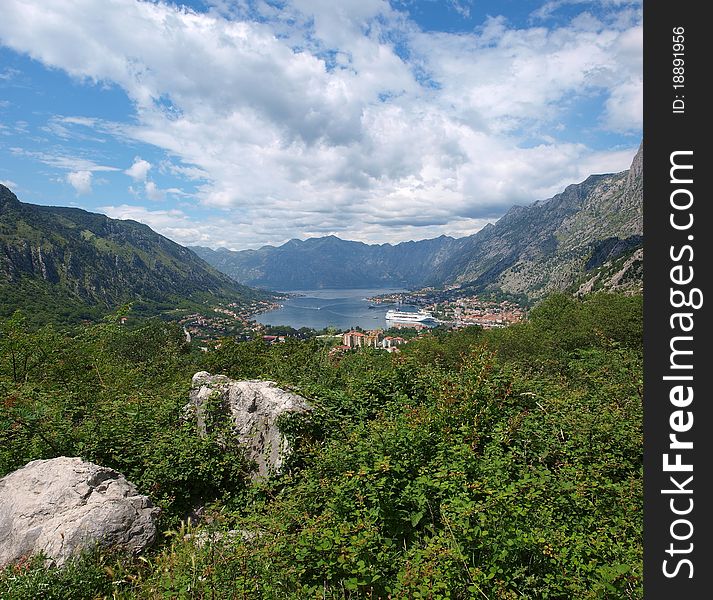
<point x="112" y="396"/>
<point x="475" y="464"/>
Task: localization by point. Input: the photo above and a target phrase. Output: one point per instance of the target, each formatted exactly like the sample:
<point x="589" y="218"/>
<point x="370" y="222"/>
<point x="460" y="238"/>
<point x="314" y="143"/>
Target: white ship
<point x="409" y="317"/>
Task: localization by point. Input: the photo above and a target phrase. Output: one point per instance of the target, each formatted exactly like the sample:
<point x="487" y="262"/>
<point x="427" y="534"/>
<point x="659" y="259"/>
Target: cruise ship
<point x="409" y="317"/>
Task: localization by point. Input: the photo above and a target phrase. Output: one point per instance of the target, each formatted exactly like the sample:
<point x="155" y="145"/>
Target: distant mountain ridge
<point x="531" y="250"/>
<point x="74" y="257"/>
<point x="329" y="262"/>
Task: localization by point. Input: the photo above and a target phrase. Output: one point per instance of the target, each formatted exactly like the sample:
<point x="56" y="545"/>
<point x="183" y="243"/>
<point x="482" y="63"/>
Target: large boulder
<point x="254" y="407"/>
<point x="63" y="506"/>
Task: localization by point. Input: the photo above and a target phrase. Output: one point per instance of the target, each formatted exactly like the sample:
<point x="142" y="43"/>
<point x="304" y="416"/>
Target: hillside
<point x="532" y="250"/>
<point x="80" y="263"/>
<point x="502" y="463"/>
<point x="330" y="262"/>
<point x="549" y="245"/>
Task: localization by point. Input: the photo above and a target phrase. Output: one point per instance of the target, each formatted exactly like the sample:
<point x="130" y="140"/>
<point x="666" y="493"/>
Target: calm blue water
<point x="343" y="309"/>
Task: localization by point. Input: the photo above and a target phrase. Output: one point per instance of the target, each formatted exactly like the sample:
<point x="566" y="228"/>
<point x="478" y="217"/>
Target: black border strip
<point x="676" y="127"/>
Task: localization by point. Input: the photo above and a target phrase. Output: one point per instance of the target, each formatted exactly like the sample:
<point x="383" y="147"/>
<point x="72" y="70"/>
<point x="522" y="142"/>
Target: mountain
<point x="550" y="244"/>
<point x="623" y="273"/>
<point x="82" y="263"/>
<point x="531" y="250"/>
<point x="329" y="262"/>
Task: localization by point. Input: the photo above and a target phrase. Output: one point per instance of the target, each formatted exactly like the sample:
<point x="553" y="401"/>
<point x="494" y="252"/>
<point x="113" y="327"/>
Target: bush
<point x="503" y="463"/>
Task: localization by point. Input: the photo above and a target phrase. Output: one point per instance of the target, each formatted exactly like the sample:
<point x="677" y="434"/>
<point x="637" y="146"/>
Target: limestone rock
<point x="625" y="275"/>
<point x="253" y="407"/>
<point x="64" y="505"/>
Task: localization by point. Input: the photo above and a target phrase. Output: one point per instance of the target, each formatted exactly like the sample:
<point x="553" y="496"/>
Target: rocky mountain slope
<point x="548" y="245"/>
<point x="625" y="273"/>
<point x="531" y="250"/>
<point x="73" y="258"/>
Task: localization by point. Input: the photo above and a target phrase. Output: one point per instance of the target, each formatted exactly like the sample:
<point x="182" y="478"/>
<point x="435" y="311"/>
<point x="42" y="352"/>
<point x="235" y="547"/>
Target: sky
<point x="240" y="123"/>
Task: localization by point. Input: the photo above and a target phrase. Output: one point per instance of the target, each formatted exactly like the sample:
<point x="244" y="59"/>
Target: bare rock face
<point x="253" y="407"/>
<point x="65" y="505"/>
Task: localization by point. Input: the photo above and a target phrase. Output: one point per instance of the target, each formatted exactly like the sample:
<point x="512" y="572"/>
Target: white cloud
<point x="8" y="73"/>
<point x="81" y="181"/>
<point x="62" y="160"/>
<point x="552" y="6"/>
<point x="500" y="79"/>
<point x="154" y="193"/>
<point x="157" y="194"/>
<point x="139" y="170"/>
<point x="177" y="225"/>
<point x="309" y="121"/>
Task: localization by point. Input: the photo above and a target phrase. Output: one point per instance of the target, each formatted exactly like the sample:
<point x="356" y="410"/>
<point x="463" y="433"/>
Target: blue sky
<point x="239" y="123"/>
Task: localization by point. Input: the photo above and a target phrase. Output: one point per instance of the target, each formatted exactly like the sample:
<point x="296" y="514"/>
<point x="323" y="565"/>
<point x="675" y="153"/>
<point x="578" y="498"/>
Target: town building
<point x="357" y="339"/>
<point x="392" y="342"/>
<point x="353" y="339"/>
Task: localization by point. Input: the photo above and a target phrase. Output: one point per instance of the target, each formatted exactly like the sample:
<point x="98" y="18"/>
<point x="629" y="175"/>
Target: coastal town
<point x="375" y="338"/>
<point x="223" y="321"/>
<point x="453" y="309"/>
<point x="442" y="309"/>
<point x="475" y="311"/>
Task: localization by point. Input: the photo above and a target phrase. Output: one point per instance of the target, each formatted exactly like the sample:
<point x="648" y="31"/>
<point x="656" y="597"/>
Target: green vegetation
<point x="474" y="464"/>
<point x="44" y="302"/>
<point x="113" y="396"/>
<point x="286" y="330"/>
<point x="66" y="265"/>
<point x="408" y="333"/>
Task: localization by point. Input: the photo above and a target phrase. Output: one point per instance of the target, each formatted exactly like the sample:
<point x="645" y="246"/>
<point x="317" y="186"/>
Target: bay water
<point x="343" y="309"/>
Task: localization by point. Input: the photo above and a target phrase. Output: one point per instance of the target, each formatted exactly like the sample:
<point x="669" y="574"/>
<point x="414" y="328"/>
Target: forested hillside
<point x="67" y="264"/>
<point x="474" y="464"/>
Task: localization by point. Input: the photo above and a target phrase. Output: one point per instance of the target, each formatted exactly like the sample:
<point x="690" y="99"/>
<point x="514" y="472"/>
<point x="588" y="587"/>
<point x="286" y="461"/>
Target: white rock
<point x="64" y="505"/>
<point x="254" y="407"/>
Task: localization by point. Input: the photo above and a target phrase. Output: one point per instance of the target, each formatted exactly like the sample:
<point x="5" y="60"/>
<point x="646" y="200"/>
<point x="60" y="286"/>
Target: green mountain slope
<point x="76" y="263"/>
